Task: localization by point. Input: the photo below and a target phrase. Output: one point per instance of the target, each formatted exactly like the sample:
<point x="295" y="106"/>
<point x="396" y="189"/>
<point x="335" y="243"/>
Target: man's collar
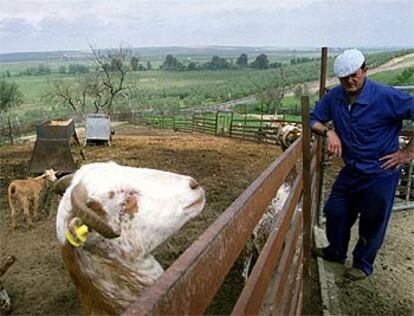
<point x="365" y="95"/>
<point x="363" y="98"/>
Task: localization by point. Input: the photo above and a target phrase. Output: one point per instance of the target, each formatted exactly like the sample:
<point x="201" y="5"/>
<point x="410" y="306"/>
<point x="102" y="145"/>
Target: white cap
<point x="348" y="63"/>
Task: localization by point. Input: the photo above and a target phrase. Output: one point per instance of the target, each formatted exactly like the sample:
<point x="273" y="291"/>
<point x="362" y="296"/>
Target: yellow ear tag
<point x="81" y="234"/>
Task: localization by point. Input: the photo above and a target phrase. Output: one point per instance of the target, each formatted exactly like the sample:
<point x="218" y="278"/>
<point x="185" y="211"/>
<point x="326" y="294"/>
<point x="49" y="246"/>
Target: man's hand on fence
<point x="334" y="144"/>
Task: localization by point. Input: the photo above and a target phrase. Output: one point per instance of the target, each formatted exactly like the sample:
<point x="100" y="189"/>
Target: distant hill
<point x="222" y="51"/>
<point x="43" y="56"/>
<point x="160" y="52"/>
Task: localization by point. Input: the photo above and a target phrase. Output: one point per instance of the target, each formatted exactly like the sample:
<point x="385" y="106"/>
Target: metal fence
<point x="279" y="281"/>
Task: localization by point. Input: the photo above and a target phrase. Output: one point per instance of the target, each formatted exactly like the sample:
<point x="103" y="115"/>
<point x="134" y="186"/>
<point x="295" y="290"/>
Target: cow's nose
<point x="194" y="184"/>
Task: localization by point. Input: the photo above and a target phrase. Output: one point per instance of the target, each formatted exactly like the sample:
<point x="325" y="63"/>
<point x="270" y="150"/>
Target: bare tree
<point x="10" y="97"/>
<point x="273" y="94"/>
<point x="98" y="88"/>
<point x="300" y="89"/>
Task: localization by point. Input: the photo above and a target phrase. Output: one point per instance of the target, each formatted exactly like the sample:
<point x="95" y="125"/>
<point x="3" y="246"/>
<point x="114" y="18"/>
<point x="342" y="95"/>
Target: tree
<point x="169" y="63"/>
<point x="298" y="90"/>
<point x="10" y="97"/>
<point x="261" y="62"/>
<point x="149" y="66"/>
<point x="134" y="63"/>
<point x="62" y="69"/>
<point x="218" y="63"/>
<point x="99" y="88"/>
<point x="243" y="60"/>
<point x="295" y="61"/>
<point x="273" y="94"/>
<point x="43" y="70"/>
<point x="78" y="68"/>
<point x="404" y="78"/>
<point x="275" y="65"/>
<point x="192" y="66"/>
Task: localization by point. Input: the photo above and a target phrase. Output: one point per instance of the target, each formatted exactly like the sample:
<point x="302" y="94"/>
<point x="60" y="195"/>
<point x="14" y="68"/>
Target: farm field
<point x="158" y="90"/>
<point x="38" y="283"/>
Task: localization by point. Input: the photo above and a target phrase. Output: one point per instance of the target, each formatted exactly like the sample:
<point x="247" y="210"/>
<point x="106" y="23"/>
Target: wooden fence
<point x="279" y="281"/>
<point x="221" y="123"/>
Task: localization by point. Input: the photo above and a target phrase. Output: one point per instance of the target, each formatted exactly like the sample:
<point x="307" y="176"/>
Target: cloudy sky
<point x="39" y="25"/>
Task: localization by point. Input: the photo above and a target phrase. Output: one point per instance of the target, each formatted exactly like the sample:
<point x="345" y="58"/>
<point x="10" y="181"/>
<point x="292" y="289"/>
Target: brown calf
<point x="26" y="192"/>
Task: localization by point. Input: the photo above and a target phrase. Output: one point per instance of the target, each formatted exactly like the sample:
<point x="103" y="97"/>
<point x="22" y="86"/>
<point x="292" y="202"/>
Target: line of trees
<point x="43" y="69"/>
<point x="38" y="70"/>
<point x="136" y="66"/>
<point x="301" y="60"/>
<point x="171" y="63"/>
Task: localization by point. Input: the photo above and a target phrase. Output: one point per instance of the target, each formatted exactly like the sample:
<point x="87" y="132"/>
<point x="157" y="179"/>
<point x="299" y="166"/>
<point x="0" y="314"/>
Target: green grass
<point x="393" y="77"/>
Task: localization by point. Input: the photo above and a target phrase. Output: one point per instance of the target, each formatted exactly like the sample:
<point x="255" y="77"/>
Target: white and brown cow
<point x="129" y="212"/>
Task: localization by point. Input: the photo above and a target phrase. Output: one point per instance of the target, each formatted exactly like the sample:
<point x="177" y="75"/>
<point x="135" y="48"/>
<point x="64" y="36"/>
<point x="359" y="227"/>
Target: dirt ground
<point x="38" y="282"/>
<point x="390" y="289"/>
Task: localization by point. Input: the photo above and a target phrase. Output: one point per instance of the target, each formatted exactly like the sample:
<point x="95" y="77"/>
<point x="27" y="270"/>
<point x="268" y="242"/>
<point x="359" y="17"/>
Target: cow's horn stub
<point x="79" y="198"/>
<point x="60" y="186"/>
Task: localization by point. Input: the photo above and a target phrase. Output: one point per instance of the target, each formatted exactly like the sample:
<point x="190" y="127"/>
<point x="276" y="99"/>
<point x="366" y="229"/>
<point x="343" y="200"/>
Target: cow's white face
<point x="144" y="206"/>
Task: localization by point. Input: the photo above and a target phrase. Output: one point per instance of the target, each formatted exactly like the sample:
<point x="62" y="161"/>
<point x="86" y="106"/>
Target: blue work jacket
<point x="370" y="127"/>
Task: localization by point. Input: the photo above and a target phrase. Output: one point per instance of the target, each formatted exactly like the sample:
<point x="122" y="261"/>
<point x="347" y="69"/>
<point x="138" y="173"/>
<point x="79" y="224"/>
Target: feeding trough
<point x="52" y="147"/>
<point x="97" y="129"/>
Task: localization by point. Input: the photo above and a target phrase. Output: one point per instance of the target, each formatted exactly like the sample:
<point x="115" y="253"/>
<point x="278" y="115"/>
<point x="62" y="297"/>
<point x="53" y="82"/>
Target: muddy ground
<point x="38" y="282"/>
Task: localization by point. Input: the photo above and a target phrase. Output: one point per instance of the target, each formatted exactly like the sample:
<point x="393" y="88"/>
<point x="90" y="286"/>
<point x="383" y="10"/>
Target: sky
<point x="49" y="25"/>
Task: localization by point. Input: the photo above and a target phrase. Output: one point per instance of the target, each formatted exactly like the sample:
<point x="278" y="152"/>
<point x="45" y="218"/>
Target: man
<point x="367" y="121"/>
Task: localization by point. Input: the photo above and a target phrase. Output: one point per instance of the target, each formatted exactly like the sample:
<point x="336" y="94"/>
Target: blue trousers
<point x="372" y="198"/>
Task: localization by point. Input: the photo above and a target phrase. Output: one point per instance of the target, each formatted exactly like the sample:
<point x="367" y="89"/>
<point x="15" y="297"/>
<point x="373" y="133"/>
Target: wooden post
<point x="245" y="121"/>
<point x="231" y="123"/>
<point x="192" y="124"/>
<point x="322" y="83"/>
<point x="216" y="122"/>
<point x="321" y="141"/>
<point x="10" y="130"/>
<point x="307" y="202"/>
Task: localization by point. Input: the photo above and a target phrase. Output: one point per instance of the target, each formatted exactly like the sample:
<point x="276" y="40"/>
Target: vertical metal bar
<point x="307" y="201"/>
